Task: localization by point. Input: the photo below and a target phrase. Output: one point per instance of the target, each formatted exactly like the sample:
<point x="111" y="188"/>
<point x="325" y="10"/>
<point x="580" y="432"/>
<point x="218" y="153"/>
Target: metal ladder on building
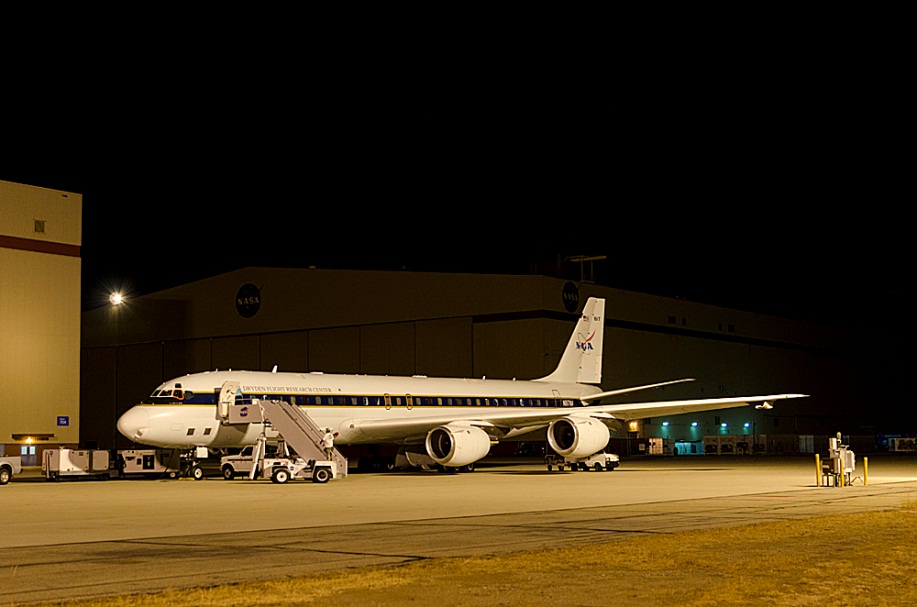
<point x="299" y="431"/>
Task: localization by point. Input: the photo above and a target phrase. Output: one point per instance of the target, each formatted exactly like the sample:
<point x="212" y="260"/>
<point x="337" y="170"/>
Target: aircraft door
<point x="228" y="394"/>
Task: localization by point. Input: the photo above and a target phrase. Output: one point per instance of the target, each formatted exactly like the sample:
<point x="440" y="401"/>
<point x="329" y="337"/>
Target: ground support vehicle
<point x="597" y="461"/>
<point x="278" y="465"/>
<point x="149" y="462"/>
<point x="91" y="463"/>
<point x="10" y="466"/>
<point x="281" y="470"/>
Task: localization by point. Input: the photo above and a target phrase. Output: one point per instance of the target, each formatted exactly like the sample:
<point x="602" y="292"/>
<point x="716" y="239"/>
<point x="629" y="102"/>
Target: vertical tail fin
<point x="581" y="361"/>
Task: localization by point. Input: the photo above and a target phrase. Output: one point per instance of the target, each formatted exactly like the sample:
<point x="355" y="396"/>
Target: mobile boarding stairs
<point x="294" y="427"/>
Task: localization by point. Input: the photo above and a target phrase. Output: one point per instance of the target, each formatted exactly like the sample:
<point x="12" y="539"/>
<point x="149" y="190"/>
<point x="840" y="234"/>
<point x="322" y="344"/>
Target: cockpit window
<point x="170" y="396"/>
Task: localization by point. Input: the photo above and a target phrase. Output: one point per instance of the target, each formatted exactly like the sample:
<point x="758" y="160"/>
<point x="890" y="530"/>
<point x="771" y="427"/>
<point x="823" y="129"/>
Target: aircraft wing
<point x="626" y="412"/>
<point x="500" y="423"/>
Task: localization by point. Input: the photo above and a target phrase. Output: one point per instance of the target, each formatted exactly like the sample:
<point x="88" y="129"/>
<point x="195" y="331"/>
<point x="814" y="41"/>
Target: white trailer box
<point x="57" y="463"/>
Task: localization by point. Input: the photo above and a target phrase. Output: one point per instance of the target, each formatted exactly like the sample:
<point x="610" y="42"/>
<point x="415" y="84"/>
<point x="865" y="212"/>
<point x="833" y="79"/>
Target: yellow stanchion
<point x="817" y="471"/>
<point x="865" y="471"/>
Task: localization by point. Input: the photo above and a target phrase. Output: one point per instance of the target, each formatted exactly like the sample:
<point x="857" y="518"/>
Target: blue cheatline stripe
<point x="378" y="400"/>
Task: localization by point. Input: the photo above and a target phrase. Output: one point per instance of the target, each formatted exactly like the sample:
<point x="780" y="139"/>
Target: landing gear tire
<point x="321" y="475"/>
<point x="196" y="472"/>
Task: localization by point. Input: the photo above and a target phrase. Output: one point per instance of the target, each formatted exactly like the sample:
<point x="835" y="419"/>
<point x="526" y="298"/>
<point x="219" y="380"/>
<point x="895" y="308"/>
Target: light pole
<point x="116" y="299"/>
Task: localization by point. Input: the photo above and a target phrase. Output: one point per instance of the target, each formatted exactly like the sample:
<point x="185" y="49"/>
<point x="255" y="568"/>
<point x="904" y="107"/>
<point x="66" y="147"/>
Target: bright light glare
<point x="665" y="423"/>
<point x="116" y="299"/>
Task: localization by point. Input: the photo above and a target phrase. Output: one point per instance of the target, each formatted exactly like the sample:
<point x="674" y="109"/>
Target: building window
<point x="40" y="226"/>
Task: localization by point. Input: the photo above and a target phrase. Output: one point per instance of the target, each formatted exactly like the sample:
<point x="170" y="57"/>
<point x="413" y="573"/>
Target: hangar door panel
<point x="97" y="398"/>
<point x="237" y="352"/>
<point x="289" y="351"/>
<point x="139" y="369"/>
<point x="387" y="349"/>
<point x="635" y="357"/>
<point x="509" y="349"/>
<point x="185" y="356"/>
<point x="443" y="347"/>
<point x="335" y="350"/>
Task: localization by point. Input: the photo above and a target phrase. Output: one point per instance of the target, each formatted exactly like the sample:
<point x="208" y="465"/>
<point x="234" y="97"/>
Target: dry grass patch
<point x="857" y="560"/>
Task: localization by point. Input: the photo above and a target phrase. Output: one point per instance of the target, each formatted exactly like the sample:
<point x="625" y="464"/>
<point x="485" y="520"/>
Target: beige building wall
<point x="40" y="272"/>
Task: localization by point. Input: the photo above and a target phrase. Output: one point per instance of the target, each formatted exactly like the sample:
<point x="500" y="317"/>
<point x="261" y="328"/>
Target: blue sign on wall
<point x="63" y="420"/>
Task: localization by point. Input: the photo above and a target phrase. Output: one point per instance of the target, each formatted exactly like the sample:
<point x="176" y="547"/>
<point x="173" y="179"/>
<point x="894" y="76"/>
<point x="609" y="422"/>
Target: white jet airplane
<point x="453" y="421"/>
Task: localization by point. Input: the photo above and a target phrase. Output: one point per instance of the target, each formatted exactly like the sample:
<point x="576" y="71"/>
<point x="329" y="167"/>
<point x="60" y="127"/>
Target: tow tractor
<point x="597" y="461"/>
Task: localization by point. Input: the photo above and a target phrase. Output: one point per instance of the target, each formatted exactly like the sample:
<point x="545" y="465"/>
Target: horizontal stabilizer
<point x="601" y="395"/>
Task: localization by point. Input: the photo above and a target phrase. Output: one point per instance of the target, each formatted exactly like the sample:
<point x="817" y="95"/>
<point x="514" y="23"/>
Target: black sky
<point x="759" y="183"/>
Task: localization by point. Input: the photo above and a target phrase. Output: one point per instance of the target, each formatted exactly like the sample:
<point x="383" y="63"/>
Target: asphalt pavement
<point x="89" y="538"/>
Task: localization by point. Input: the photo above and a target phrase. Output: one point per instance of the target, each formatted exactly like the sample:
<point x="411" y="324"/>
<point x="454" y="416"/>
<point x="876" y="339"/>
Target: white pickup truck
<point x="9" y="467"/>
<point x="241" y="463"/>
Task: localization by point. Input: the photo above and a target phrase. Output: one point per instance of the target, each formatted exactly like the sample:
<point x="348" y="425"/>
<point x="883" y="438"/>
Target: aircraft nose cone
<point x="133" y="423"/>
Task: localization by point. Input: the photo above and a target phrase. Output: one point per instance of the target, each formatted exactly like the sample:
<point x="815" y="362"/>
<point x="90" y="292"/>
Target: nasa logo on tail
<point x="584" y="344"/>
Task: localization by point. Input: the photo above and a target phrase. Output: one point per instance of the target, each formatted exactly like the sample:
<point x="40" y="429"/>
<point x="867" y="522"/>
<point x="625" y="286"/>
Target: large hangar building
<point x="497" y="326"/>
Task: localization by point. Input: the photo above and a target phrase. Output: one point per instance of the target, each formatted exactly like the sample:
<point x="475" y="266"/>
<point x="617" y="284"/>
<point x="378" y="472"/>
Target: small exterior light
<point x="116" y="299"/>
<point x="694" y="424"/>
<point x="724" y="425"/>
<point x="665" y="424"/>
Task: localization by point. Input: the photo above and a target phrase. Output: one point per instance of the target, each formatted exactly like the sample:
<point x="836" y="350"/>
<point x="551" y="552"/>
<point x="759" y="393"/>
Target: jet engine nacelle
<point x="454" y="445"/>
<point x="577" y="437"/>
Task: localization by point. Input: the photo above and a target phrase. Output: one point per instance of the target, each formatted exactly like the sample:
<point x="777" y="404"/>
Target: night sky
<point x="773" y="191"/>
